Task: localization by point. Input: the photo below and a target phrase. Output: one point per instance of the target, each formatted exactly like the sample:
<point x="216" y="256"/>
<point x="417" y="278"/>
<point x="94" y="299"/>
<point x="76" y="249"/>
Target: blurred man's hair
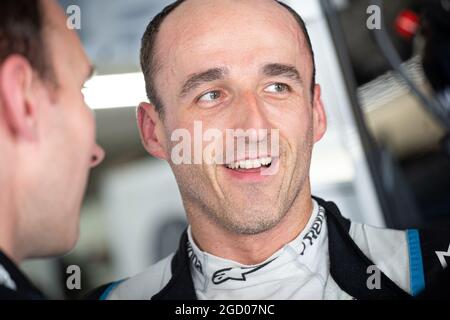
<point x="149" y="64"/>
<point x="21" y="32"/>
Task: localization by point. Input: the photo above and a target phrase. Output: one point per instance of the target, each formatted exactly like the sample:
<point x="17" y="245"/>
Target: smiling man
<point x="255" y="231"/>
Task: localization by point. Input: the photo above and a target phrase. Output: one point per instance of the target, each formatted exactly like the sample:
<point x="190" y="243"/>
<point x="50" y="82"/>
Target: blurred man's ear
<point x="150" y="129"/>
<point x="319" y="115"/>
<point x="16" y="76"/>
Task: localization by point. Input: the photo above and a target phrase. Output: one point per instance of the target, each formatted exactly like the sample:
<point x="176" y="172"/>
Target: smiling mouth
<point x="250" y="164"/>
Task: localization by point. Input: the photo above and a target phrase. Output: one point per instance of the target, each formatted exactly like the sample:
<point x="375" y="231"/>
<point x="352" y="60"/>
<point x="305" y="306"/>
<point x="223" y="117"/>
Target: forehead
<point x="65" y="49"/>
<point x="201" y="34"/>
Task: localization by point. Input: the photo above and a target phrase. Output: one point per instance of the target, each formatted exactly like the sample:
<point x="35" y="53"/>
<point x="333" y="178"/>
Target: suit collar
<point x="346" y="258"/>
<point x="15" y="284"/>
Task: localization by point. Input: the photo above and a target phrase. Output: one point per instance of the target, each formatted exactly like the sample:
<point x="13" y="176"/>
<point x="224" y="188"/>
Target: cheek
<point x="295" y="126"/>
<point x="296" y="136"/>
<point x="82" y="135"/>
<point x="90" y="126"/>
<point x="77" y="123"/>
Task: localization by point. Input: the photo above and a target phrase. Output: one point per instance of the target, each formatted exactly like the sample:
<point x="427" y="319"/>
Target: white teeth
<point x="250" y="164"/>
<point x="256" y="163"/>
<point x="266" y="161"/>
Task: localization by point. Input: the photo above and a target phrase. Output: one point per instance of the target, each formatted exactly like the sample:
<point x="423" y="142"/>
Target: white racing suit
<point x="361" y="262"/>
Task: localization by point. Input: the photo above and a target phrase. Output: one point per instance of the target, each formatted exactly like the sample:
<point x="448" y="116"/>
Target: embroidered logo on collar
<point x="237" y="274"/>
<point x="5" y="279"/>
<point x="314" y="231"/>
<point x="193" y="258"/>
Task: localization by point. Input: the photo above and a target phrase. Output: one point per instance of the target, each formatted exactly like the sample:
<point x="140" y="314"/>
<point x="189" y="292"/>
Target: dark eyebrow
<point x="198" y="79"/>
<point x="284" y="70"/>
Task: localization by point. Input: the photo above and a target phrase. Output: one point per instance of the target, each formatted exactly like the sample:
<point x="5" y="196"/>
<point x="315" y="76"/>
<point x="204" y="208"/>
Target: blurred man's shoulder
<point x="142" y="286"/>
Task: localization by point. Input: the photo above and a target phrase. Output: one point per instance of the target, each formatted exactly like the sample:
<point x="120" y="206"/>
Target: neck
<point x="8" y="210"/>
<point x="8" y="229"/>
<point x="251" y="249"/>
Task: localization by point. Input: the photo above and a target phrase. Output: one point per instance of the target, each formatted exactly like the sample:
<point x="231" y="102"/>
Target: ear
<point x="319" y="115"/>
<point x="16" y="76"/>
<point x="150" y="129"/>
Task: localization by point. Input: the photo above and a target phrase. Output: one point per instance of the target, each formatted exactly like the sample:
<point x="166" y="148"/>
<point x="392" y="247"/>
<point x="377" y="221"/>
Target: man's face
<point x="260" y="74"/>
<point x="66" y="148"/>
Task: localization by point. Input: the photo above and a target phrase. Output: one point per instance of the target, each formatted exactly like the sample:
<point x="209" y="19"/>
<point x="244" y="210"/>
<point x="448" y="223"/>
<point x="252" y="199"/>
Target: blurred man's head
<point x="233" y="64"/>
<point x="47" y="133"/>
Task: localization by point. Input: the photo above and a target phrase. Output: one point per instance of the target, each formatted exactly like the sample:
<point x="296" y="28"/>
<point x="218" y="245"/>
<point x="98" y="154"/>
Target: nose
<point x="98" y="155"/>
<point x="251" y="114"/>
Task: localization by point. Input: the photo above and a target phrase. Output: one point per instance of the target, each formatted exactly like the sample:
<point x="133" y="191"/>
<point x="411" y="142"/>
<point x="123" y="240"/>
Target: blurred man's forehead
<point x="66" y="48"/>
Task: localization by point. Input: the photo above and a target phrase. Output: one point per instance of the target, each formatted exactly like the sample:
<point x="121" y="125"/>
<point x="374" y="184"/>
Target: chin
<point x="251" y="220"/>
<point x="71" y="241"/>
<point x="63" y="246"/>
<point x="249" y="229"/>
<point x="54" y="240"/>
<point x="66" y="242"/>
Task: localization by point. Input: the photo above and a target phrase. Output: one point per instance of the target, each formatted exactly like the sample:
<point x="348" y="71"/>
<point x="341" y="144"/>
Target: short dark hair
<point x="149" y="64"/>
<point x="21" y="29"/>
